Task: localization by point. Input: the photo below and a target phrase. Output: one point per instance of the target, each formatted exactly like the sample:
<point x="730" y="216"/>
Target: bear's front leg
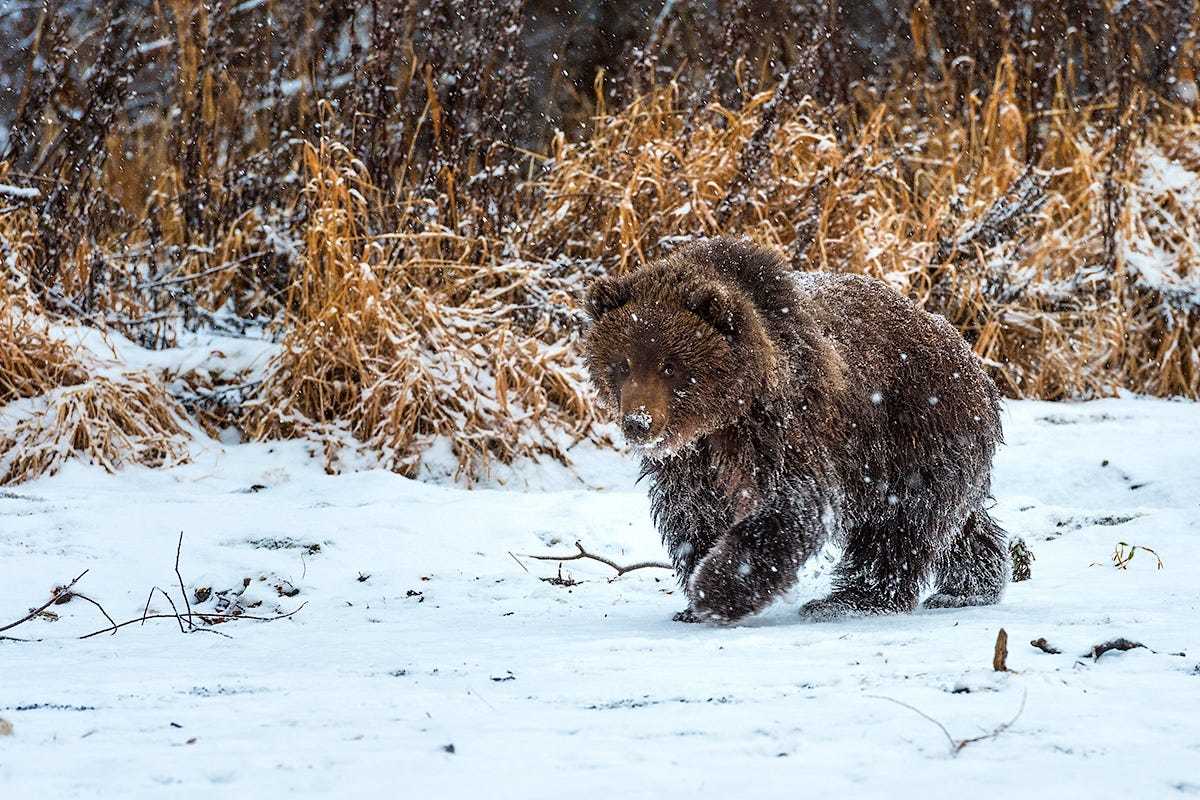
<point x="752" y="564"/>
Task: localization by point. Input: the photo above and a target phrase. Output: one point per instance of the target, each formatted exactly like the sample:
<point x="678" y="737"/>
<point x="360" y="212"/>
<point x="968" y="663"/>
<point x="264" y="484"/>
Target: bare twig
<point x="953" y="742"/>
<point x="182" y="588"/>
<point x="61" y="594"/>
<point x="204" y="274"/>
<point x="202" y="616"/>
<point x="146" y="610"/>
<point x="173" y="609"/>
<point x="111" y="621"/>
<point x="56" y="596"/>
<point x="999" y="729"/>
<point x="621" y="569"/>
<point x="956" y="745"/>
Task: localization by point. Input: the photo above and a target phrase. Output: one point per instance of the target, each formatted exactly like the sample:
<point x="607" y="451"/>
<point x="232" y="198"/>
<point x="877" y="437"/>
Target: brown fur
<point x="778" y="410"/>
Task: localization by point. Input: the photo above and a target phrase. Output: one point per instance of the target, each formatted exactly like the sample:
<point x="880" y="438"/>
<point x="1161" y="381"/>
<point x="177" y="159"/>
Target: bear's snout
<point x="643" y="409"/>
<point x="637" y="424"/>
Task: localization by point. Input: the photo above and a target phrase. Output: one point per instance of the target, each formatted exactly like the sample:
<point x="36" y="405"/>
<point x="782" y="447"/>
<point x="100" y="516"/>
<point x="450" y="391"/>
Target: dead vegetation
<point x="393" y="217"/>
<point x="957" y="745"/>
<point x="1120" y="644"/>
<point x="60" y="595"/>
<point x="1041" y="644"/>
<point x="1123" y="554"/>
<point x="583" y="554"/>
<point x="62" y="404"/>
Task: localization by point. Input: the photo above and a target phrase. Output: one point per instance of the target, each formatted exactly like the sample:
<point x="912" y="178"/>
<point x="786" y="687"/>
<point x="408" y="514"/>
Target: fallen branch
<point x="61" y="594"/>
<point x="1004" y="218"/>
<point x="1120" y="643"/>
<point x="202" y="616"/>
<point x="1045" y="647"/>
<point x="56" y="596"/>
<point x="582" y="554"/>
<point x="956" y="745"/>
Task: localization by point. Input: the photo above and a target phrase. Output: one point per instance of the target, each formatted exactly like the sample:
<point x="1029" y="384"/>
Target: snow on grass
<point x="20" y="192"/>
<point x="430" y="663"/>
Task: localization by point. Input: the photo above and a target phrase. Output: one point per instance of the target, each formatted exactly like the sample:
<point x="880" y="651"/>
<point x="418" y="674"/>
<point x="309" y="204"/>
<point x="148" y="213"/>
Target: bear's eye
<point x="668" y="369"/>
<point x="620" y="369"/>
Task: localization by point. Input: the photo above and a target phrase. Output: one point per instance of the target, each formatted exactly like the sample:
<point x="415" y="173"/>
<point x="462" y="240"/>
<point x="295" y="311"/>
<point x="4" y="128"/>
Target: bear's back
<point x="896" y="353"/>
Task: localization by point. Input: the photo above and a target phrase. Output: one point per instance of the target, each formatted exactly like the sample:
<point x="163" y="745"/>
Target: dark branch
<point x="1120" y="643"/>
<point x="200" y="615"/>
<point x="1045" y="647"/>
<point x="111" y="621"/>
<point x="57" y="595"/>
<point x="182" y="588"/>
<point x="621" y="569"/>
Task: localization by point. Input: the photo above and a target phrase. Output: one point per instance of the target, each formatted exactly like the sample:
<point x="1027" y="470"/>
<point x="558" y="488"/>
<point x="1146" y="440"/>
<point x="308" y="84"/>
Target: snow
<point x="22" y="192"/>
<point x="547" y="690"/>
<point x="1158" y="253"/>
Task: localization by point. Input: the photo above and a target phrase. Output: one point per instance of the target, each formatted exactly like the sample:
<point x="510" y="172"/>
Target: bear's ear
<point x="605" y="295"/>
<point x="711" y="303"/>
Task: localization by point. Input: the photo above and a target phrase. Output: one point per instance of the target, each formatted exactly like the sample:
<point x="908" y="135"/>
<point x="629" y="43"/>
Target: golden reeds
<point x="430" y="305"/>
<point x="107" y="421"/>
<point x="58" y="403"/>
<point x="399" y="339"/>
<point x="1041" y="305"/>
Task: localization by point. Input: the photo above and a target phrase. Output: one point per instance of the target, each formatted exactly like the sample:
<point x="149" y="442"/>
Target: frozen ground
<point x="452" y="671"/>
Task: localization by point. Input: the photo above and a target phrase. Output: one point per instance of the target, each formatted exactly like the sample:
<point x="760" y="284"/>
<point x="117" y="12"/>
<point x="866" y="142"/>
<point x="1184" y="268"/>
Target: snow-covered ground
<point x="429" y="662"/>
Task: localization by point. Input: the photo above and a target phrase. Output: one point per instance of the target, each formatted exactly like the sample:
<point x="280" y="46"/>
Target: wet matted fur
<point x="779" y="410"/>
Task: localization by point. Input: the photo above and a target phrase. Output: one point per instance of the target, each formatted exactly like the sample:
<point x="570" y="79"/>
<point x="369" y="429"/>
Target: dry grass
<point x="422" y="274"/>
<point x="900" y="198"/>
<point x="109" y="422"/>
<point x="31" y="361"/>
<point x="398" y="339"/>
<point x="57" y="403"/>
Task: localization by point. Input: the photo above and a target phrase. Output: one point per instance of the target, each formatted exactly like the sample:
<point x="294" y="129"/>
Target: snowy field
<point x="428" y="662"/>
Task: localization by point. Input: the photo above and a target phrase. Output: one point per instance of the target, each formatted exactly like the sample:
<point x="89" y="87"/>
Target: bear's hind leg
<point x="976" y="568"/>
<point x="881" y="572"/>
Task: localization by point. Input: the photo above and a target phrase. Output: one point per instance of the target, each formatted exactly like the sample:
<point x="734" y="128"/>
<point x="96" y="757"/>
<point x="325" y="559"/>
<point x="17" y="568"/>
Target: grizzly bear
<point x="778" y="410"/>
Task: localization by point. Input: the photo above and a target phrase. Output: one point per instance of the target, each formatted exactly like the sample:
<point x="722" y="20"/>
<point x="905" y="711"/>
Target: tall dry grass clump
<point x="399" y="339"/>
<point x="58" y="403"/>
<point x="110" y="422"/>
<point x="31" y="361"/>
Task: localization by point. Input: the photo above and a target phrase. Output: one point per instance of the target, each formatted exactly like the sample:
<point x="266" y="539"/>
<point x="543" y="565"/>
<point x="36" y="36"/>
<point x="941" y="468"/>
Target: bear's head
<point x="676" y="354"/>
